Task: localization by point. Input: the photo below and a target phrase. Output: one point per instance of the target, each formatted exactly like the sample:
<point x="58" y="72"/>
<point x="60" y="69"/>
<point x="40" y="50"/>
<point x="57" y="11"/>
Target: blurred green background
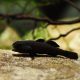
<point x="31" y="30"/>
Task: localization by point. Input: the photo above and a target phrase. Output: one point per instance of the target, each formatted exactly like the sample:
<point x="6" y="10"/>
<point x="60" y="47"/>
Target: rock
<point x="41" y="68"/>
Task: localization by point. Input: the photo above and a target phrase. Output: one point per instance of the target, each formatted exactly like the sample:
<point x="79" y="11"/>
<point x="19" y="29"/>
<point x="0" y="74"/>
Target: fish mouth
<point x="15" y="50"/>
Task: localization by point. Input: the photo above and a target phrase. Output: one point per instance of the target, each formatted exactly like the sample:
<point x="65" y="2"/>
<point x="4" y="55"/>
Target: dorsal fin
<point x="40" y="40"/>
<point x="52" y="43"/>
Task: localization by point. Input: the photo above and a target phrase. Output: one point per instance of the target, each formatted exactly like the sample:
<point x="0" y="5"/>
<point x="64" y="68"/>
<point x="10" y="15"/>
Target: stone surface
<point x="41" y="68"/>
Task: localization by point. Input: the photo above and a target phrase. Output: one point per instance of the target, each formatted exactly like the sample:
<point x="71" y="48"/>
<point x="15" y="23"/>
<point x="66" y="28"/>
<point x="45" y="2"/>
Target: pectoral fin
<point x="27" y="49"/>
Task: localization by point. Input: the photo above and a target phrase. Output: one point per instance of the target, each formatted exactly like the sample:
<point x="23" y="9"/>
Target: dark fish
<point x="42" y="47"/>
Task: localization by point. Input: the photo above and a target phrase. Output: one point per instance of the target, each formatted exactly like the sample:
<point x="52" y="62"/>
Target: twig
<point x="24" y="16"/>
<point x="73" y="4"/>
<point x="63" y="35"/>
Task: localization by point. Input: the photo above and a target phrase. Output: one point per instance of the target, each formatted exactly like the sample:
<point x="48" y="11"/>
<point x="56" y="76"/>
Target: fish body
<point x="42" y="47"/>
